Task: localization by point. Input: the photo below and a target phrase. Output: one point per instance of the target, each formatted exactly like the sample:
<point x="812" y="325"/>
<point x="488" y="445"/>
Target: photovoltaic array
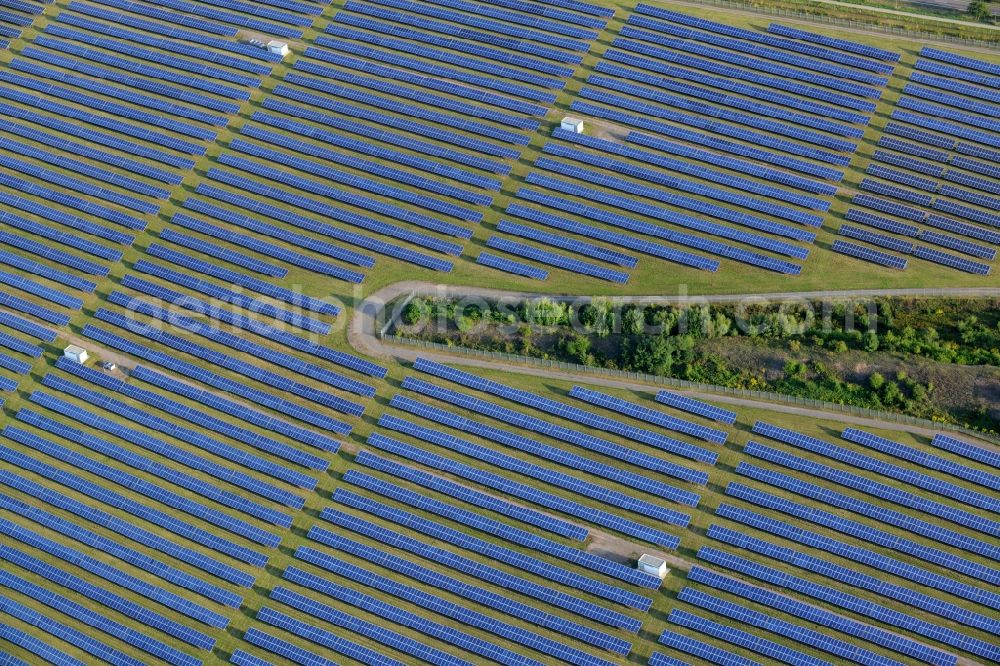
<point x="223" y="482"/>
<point x="934" y="167"/>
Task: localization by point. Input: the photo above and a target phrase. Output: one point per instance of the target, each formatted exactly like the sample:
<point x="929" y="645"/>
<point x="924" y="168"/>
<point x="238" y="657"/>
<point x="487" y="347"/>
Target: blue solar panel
<point x="94" y="619"/>
<point x="951" y="260"/>
<point x="528" y="493"/>
<point x="562" y="241"/>
<point x="891" y="207"/>
<point x="481" y="596"/>
<point x="700" y="188"/>
<point x="696" y="648"/>
<point x="960" y="60"/>
<point x="951" y="79"/>
<point x="516" y="559"/>
<point x="874" y="488"/>
<point x="920" y="136"/>
<point x="883" y="223"/>
<point x="425" y="183"/>
<point x="618" y="239"/>
<point x="473" y="568"/>
<point x="883" y="468"/>
<point x="764" y="38"/>
<point x="675" y="78"/>
<point x="696" y="406"/>
<point x="578" y="415"/>
<point x="521" y="443"/>
<point x="396" y="616"/>
<point x="729" y="163"/>
<point x="848" y="551"/>
<point x="448" y="634"/>
<point x="848" y="601"/>
<point x="867" y="254"/>
<point x="984" y="184"/>
<point x="816" y="615"/>
<point x="386" y="38"/>
<point x="220" y="252"/>
<point x="33" y="645"/>
<point x="963" y="229"/>
<point x="902" y="177"/>
<point x="850" y="576"/>
<point x="510" y="266"/>
<point x="444" y="75"/>
<point x="200" y="374"/>
<point x="243" y="658"/>
<point x="283" y="214"/>
<point x="760" y="65"/>
<point x="904" y="194"/>
<point x="238" y="343"/>
<point x="557" y="260"/>
<point x="742" y="43"/>
<point x="959" y="244"/>
<point x="514" y="535"/>
<point x="296" y="654"/>
<point x="483" y="500"/>
<point x="873" y="238"/>
<point x="833" y="42"/>
<point x="166" y="450"/>
<point x="966" y="449"/>
<point x="104" y="597"/>
<point x="742" y="639"/>
<point x="876" y="512"/>
<point x="684" y="220"/>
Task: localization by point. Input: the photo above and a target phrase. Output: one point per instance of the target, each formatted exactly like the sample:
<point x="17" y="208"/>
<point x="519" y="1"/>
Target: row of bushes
<point x="667" y="340"/>
<point x="964" y="332"/>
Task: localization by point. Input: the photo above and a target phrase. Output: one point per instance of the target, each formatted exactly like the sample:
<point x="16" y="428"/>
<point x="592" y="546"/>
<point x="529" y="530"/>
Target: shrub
<point x="415" y="311"/>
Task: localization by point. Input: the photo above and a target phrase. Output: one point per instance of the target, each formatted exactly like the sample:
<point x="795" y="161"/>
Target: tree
<point x="545" y="312"/>
<point x="598" y="316"/>
<point x="652" y="354"/>
<point x="577" y="348"/>
<point x="795" y="370"/>
<point x="633" y="321"/>
<point x="870" y="341"/>
<point x="721" y="325"/>
<point x="876" y="381"/>
<point x="414" y="312"/>
<point x="891" y="394"/>
<point x="979" y="10"/>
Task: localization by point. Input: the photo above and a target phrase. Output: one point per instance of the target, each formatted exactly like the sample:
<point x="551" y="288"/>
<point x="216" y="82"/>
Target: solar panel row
<point x="526" y="492"/>
<point x="513" y="558"/>
<point x="862" y="531"/>
<point x="480" y="595"/>
<point x="561" y="410"/>
<point x="474" y="568"/>
<point x="195" y="372"/>
<point x="842" y="599"/>
<point x="858" y="554"/>
<point x="495" y="505"/>
<point x="822" y="617"/>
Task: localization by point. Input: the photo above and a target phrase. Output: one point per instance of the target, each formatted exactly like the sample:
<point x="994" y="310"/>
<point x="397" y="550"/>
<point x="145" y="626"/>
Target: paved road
<point x="959" y="5"/>
<point x="955" y="4"/>
<point x="362" y="335"/>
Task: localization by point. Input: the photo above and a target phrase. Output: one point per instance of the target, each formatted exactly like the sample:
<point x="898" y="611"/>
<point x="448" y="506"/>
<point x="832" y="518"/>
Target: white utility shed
<point x="281" y="48"/>
<point x="76" y="354"/>
<point x="653" y="565"/>
<point x="574" y="125"/>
